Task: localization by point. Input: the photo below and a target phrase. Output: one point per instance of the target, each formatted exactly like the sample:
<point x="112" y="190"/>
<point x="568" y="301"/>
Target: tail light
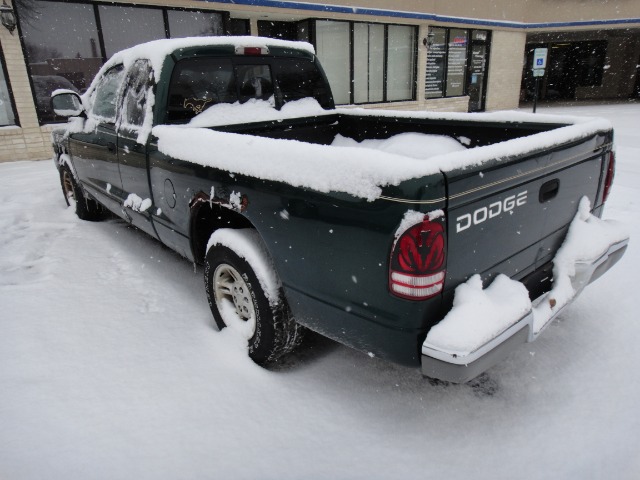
<point x="608" y="179"/>
<point x="417" y="266"/>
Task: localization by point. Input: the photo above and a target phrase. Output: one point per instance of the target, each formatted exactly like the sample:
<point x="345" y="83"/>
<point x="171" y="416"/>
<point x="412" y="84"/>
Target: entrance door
<point x="476" y="82"/>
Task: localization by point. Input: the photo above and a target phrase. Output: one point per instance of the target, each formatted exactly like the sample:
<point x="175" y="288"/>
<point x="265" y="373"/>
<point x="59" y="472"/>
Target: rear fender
<point x="211" y="213"/>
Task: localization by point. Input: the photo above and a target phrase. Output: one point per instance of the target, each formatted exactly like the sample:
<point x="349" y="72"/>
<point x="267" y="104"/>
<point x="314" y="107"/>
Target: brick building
<point x="408" y="54"/>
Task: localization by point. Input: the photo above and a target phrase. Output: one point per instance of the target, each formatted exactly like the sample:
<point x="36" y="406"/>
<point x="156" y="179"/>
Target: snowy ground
<point x="110" y="368"/>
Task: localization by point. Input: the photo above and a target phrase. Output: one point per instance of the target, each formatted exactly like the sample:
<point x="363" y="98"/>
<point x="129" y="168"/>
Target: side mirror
<point x="66" y="103"/>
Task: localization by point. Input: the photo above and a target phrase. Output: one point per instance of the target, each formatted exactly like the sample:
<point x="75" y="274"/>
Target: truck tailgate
<point x="511" y="216"/>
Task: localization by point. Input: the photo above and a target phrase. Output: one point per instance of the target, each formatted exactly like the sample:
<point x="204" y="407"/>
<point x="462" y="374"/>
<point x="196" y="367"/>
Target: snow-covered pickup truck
<point x="440" y="240"/>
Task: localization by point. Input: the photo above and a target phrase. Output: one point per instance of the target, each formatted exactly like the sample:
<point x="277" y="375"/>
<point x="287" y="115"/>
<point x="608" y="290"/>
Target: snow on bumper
<point x="485" y="325"/>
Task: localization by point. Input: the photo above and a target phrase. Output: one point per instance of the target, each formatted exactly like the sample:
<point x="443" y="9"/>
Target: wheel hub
<point x="234" y="301"/>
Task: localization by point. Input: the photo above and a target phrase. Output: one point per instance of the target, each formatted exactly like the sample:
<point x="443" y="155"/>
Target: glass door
<point x="478" y="70"/>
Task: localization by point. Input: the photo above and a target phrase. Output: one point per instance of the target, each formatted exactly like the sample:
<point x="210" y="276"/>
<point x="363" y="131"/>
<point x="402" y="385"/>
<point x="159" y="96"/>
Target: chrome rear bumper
<point x="460" y="367"/>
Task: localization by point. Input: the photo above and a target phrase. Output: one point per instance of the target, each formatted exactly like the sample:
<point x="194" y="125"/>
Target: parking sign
<point x="539" y="58"/>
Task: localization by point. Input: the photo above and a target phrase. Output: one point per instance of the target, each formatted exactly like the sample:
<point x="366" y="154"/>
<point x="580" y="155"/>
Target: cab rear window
<point x="199" y="83"/>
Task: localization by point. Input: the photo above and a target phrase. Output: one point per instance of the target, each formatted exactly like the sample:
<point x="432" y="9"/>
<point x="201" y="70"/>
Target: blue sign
<point x="540" y="58"/>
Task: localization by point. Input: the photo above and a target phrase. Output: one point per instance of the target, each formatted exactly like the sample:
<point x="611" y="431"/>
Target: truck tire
<point x="238" y="300"/>
<point x="85" y="208"/>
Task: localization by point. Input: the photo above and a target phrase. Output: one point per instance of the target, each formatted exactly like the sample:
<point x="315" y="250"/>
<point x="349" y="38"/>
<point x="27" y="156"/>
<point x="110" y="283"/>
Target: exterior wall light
<point x="8" y="17"/>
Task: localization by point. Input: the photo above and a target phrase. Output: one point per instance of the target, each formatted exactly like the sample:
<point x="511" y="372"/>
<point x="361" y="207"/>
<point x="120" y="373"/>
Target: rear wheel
<point x="85" y="208"/>
<point x="238" y="300"/>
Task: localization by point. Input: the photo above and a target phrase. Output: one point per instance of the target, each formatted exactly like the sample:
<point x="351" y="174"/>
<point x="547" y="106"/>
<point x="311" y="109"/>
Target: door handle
<point x="548" y="190"/>
<point x="111" y="147"/>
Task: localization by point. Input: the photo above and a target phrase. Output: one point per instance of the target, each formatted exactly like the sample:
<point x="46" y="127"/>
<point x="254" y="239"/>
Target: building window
<point x="570" y="65"/>
<point x="368" y="70"/>
<point x="194" y="24"/>
<point x="591" y="59"/>
<point x="365" y="62"/>
<point x="59" y="56"/>
<point x="239" y="26"/>
<point x="456" y="64"/>
<point x="7" y="111"/>
<point x="124" y="27"/>
<point x="401" y="54"/>
<point x="333" y="48"/>
<point x="281" y="30"/>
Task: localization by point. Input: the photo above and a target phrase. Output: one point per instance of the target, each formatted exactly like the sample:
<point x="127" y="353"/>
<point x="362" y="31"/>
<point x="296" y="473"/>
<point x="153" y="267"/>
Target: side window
<point x="106" y="96"/>
<point x="198" y="83"/>
<point x="134" y="102"/>
<point x="254" y="82"/>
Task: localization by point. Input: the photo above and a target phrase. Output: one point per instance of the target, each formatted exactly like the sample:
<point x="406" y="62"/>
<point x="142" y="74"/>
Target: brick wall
<point x="505" y="70"/>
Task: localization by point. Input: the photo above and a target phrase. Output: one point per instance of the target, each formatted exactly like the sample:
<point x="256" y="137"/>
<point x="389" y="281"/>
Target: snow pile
<point x="256" y="110"/>
<point x="587" y="240"/>
<point x="345" y="166"/>
<point x="323" y="168"/>
<point x="410" y="144"/>
<point x="479" y="315"/>
<point x="136" y="203"/>
<point x="247" y="244"/>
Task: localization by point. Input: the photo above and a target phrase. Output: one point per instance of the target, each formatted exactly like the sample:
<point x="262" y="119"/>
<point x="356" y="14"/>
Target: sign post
<point x="539" y="64"/>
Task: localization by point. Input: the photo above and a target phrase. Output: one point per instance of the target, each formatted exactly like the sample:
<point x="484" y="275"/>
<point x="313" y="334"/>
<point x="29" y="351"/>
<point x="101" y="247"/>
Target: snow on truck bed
<point x="340" y="167"/>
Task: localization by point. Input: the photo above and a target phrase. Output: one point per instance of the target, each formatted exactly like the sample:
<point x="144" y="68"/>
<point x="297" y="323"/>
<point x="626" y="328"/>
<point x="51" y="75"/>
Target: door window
<point x="106" y="94"/>
<point x="134" y="103"/>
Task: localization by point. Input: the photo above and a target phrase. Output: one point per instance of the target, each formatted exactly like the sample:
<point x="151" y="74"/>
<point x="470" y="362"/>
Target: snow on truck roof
<point x="157" y="50"/>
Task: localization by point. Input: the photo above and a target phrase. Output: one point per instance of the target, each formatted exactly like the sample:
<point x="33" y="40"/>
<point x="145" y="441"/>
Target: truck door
<point x="94" y="151"/>
<point x="132" y="146"/>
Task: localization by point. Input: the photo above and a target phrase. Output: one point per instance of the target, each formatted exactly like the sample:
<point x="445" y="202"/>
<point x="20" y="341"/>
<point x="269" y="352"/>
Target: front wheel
<point x="85" y="208"/>
<point x="243" y="296"/>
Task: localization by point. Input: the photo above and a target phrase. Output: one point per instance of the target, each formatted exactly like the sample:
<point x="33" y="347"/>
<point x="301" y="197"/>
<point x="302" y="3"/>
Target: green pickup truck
<point x="436" y="240"/>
